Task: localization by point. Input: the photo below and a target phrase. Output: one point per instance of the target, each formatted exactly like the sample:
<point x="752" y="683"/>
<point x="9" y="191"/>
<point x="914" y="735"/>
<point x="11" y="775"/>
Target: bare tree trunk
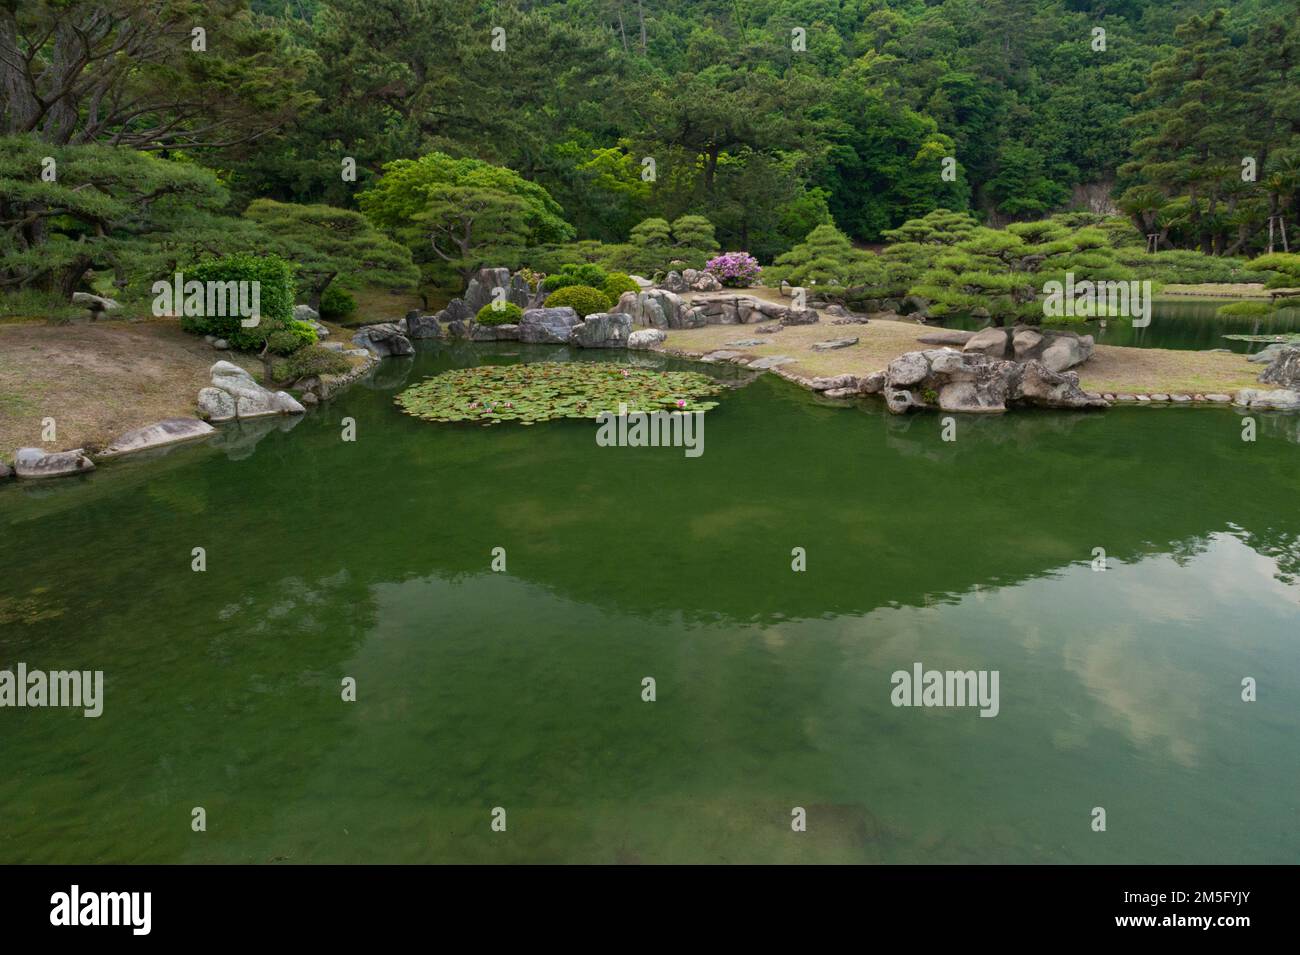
<point x="621" y="31"/>
<point x="640" y="15"/>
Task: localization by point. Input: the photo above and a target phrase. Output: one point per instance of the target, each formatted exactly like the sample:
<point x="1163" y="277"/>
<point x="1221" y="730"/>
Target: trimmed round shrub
<point x="499" y="313"/>
<point x="583" y="299"/>
<point x="617" y="284"/>
<point x="312" y="361"/>
<point x="275" y="298"/>
<point x="336" y="303"/>
<point x="570" y="275"/>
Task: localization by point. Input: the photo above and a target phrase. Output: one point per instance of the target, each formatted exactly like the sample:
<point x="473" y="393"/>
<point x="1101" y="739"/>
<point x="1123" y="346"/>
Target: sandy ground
<point x="1111" y="368"/>
<point x="97" y="380"/>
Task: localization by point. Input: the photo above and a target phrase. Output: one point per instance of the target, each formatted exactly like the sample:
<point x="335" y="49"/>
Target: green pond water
<point x="1182" y="323"/>
<point x="371" y="560"/>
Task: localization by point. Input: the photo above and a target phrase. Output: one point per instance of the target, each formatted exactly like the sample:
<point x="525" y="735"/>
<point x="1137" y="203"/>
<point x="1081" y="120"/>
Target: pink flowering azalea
<point x="734" y="269"/>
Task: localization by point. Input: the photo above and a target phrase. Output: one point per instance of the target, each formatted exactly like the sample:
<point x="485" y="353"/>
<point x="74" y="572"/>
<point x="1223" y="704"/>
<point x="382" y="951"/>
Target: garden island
<point x="312" y="314"/>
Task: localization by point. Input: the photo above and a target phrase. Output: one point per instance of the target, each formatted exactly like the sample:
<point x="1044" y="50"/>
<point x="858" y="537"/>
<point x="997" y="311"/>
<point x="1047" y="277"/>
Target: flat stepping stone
<point x="746" y="343"/>
<point x="772" y="361"/>
<point x="834" y="343"/>
<point x="952" y="336"/>
<point x="165" y="432"/>
<point x="721" y="356"/>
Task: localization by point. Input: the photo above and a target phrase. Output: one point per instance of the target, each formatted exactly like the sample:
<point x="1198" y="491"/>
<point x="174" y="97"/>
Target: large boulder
<point x="37" y="463"/>
<point x="422" y="325"/>
<point x="700" y="281"/>
<point x="602" y="330"/>
<point x="644" y="338"/>
<point x="482" y="288"/>
<point x="1066" y="351"/>
<point x="655" y="308"/>
<point x="946" y="336"/>
<point x="1056" y="350"/>
<point x="1266" y="355"/>
<point x="493" y="333"/>
<point x="548" y="326"/>
<point x="800" y="316"/>
<point x="305" y="313"/>
<point x="972" y="381"/>
<point x="383" y="340"/>
<point x="1284" y="370"/>
<point x="235" y="394"/>
<point x="990" y="341"/>
<point x="674" y="282"/>
<point x="165" y="432"/>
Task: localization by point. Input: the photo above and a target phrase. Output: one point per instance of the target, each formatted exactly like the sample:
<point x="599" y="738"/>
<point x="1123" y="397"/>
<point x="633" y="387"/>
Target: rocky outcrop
<point x="419" y="324"/>
<point x="674" y="282"/>
<point x="1284" y="370"/>
<point x="971" y="381"/>
<point x="384" y="340"/>
<point x="548" y="326"/>
<point x="36" y="463"/>
<point x="165" y="432"/>
<point x="481" y="289"/>
<point x="234" y="394"/>
<point x="656" y="308"/>
<point x="305" y="313"/>
<point x="644" y="338"/>
<point x="700" y="281"/>
<point x="1055" y="350"/>
<point x="602" y="330"/>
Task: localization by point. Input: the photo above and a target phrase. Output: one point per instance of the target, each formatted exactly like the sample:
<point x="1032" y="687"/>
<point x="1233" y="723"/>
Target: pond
<point x="371" y="560"/>
<point x="1185" y="323"/>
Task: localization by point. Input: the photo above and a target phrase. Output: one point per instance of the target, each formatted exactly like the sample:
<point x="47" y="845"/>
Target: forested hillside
<point x="561" y="121"/>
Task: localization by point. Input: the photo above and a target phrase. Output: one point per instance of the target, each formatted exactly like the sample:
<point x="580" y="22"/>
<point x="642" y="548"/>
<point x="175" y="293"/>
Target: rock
<point x="838" y="311"/>
<point x="907" y="370"/>
<point x="989" y="341"/>
<point x="721" y="355"/>
<point x="97" y="305"/>
<point x="913" y="304"/>
<point x="167" y="431"/>
<point x="1157" y="396"/>
<point x="946" y="336"/>
<point x="834" y="343"/>
<point x="309" y="399"/>
<point x="770" y="362"/>
<point x="305" y="313"/>
<point x="840" y="393"/>
<point x="36" y="463"/>
<point x="769" y="329"/>
<point x="548" y="326"/>
<point x="1219" y="399"/>
<point x="1180" y="399"/>
<point x="674" y="282"/>
<point x="1254" y="399"/>
<point x="602" y="330"/>
<point x="643" y="282"/>
<point x="1025" y="343"/>
<point x="332" y="346"/>
<point x="785" y="289"/>
<point x="493" y="333"/>
<point x="655" y="308"/>
<point x="873" y="384"/>
<point x="1040" y="385"/>
<point x="1284" y="370"/>
<point x="1066" y="351"/>
<point x="645" y="338"/>
<point x="321" y="331"/>
<point x="221" y="345"/>
<point x="5" y="471"/>
<point x="800" y="316"/>
<point x="422" y="325"/>
<point x="1265" y="355"/>
<point x="482" y="288"/>
<point x="745" y="343"/>
<point x="834" y="383"/>
<point x="383" y="340"/>
<point x="234" y="394"/>
<point x="456" y="311"/>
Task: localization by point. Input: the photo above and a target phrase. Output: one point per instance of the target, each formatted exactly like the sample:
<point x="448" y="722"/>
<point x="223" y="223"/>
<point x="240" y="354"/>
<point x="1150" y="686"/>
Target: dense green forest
<point x="593" y="129"/>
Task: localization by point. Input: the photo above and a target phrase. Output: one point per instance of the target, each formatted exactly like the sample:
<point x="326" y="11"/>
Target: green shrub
<point x="337" y="303"/>
<point x="499" y="313"/>
<point x="1245" y="310"/>
<point x="581" y="274"/>
<point x="617" y="283"/>
<point x="290" y="337"/>
<point x="276" y="294"/>
<point x="312" y="361"/>
<point x="583" y="299"/>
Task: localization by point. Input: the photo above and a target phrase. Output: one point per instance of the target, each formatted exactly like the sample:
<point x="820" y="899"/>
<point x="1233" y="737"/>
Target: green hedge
<point x="276" y="294"/>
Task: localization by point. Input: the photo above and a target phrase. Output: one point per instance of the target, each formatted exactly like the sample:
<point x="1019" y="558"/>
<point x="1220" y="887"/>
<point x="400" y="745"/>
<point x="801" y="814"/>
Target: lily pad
<point x="544" y="391"/>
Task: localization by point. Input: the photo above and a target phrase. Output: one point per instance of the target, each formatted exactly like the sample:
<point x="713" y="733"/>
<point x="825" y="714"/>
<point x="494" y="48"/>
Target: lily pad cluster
<point x="544" y="391"/>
